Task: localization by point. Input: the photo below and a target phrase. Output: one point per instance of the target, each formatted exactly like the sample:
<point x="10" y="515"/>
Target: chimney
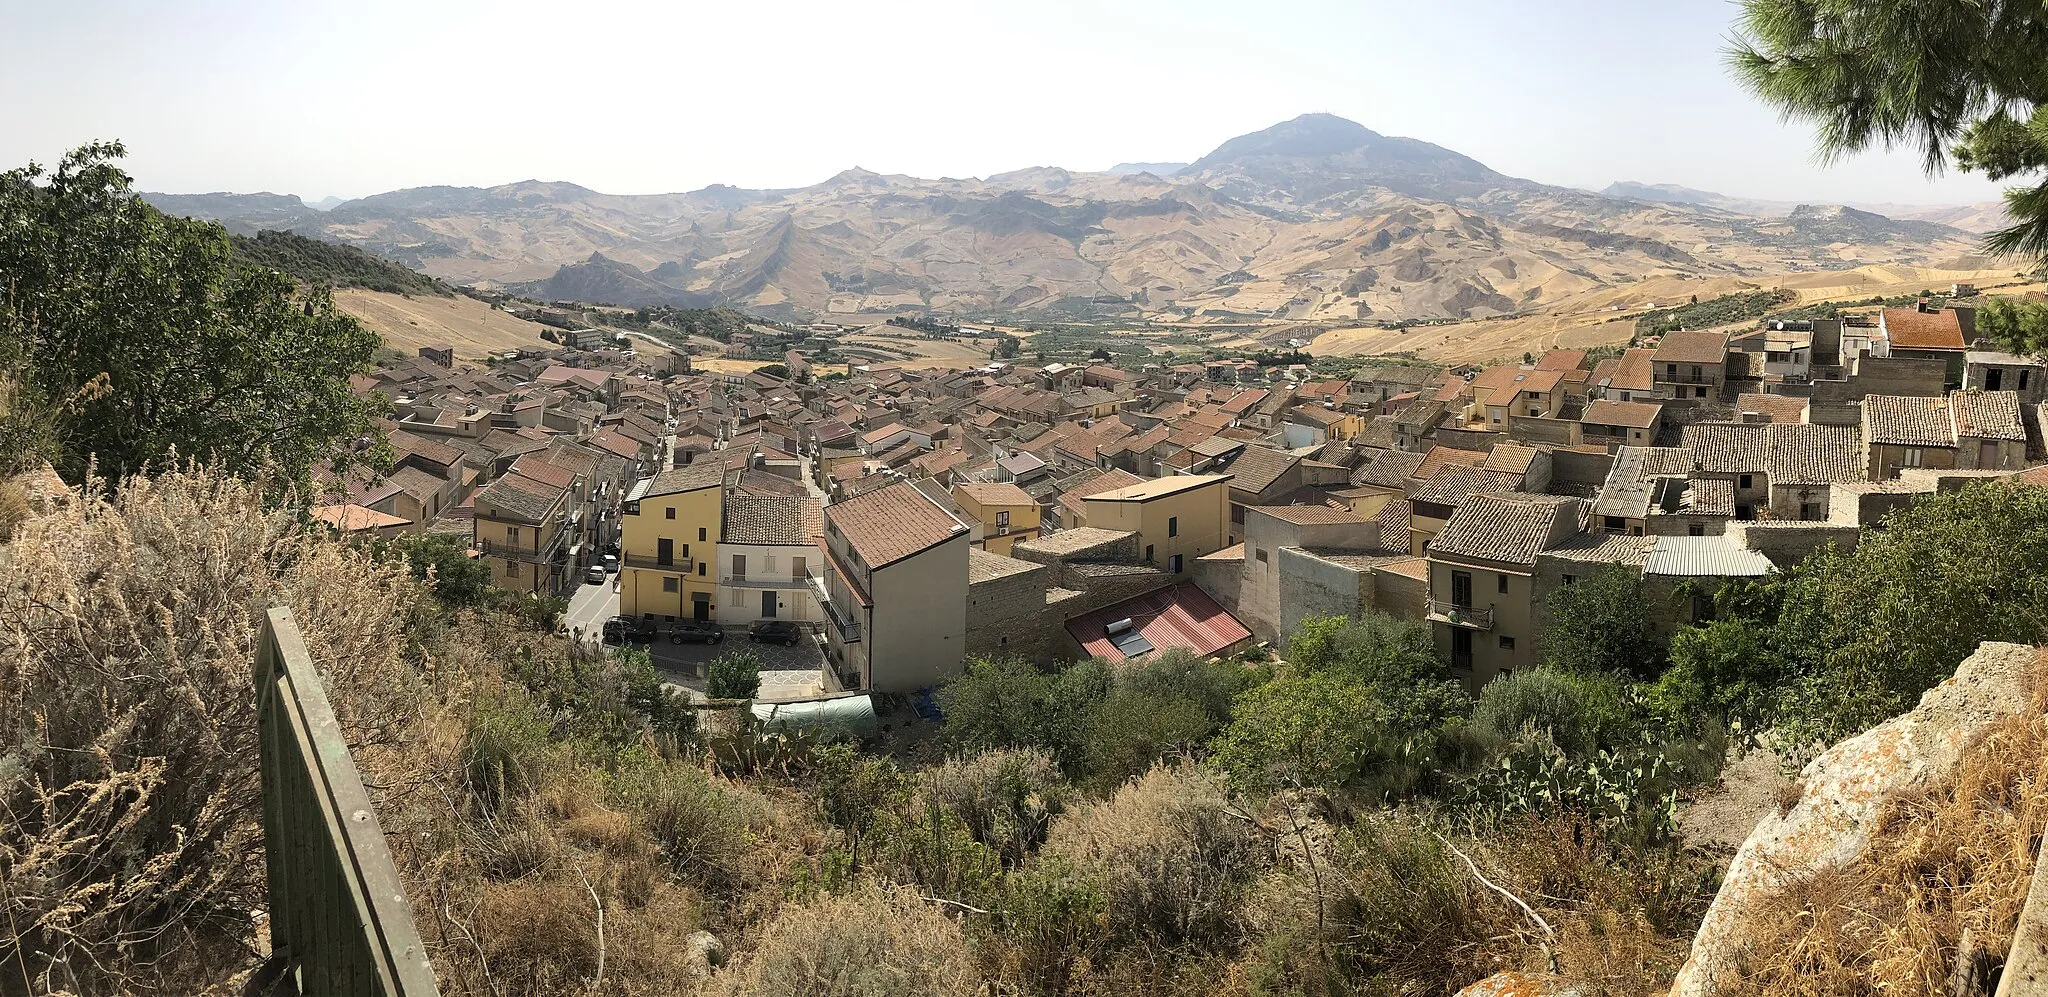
<point x="1923" y="306"/>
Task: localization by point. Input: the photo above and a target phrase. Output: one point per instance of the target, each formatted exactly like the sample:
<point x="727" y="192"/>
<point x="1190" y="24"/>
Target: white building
<point x="768" y="558"/>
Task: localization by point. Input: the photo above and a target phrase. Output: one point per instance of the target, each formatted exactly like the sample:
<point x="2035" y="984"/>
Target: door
<point x="739" y="567"/>
<point x="700" y="606"/>
<point x="1987" y="454"/>
<point x="1461" y="593"/>
<point x="796" y="569"/>
<point x="1993" y="377"/>
<point x="767" y="605"/>
<point x="665" y="551"/>
<point x="1461" y="648"/>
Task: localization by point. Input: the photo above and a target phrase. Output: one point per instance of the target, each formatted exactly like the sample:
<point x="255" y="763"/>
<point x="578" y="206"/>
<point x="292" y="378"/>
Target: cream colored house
<point x="894" y="590"/>
<point x="769" y="559"/>
<point x="1177" y="518"/>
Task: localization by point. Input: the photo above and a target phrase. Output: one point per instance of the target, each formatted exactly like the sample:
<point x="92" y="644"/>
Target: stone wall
<point x="1400" y="595"/>
<point x="1535" y="429"/>
<point x="1579" y="470"/>
<point x="1006" y="613"/>
<point x="1839" y="403"/>
<point x="1788" y="543"/>
<point x="1220" y="576"/>
<point x="1311" y="585"/>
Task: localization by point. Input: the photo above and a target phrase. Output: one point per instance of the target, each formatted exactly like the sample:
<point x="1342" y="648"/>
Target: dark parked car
<point x="775" y="632"/>
<point x="695" y="632"/>
<point x="626" y="629"/>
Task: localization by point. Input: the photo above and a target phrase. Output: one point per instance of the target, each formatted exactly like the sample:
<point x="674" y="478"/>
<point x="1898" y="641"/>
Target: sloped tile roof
<point x="889" y="524"/>
<point x="1631" y="415"/>
<point x="1913" y="329"/>
<point x="1692" y="347"/>
<point x="786" y="520"/>
<point x="1908" y="420"/>
<point x="1502" y="528"/>
<point x="1310" y="515"/>
<point x="1258" y="467"/>
<point x="1802" y="454"/>
<point x="1727" y="447"/>
<point x="1988" y="415"/>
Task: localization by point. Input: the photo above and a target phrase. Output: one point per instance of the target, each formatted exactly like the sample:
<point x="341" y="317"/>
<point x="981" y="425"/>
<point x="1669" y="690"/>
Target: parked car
<point x="595" y="574"/>
<point x="695" y="632"/>
<point x="626" y="629"/>
<point x="611" y="563"/>
<point x="775" y="632"/>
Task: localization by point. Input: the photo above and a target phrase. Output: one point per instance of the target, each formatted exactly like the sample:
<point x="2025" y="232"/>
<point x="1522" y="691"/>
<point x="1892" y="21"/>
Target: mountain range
<point x="1317" y="219"/>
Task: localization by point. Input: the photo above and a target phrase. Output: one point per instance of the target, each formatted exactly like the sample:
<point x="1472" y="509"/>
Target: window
<point x="632" y="508"/>
<point x="1671" y="371"/>
<point x="701" y="533"/>
<point x="1696" y="530"/>
<point x="1503" y="579"/>
<point x="1174" y="563"/>
<point x="1615" y="524"/>
<point x="511" y="569"/>
<point x="1744" y="482"/>
<point x="1695" y="372"/>
<point x="1148" y="553"/>
<point x="1699" y="392"/>
<point x="2023" y="380"/>
<point x="1003" y="518"/>
<point x="1507" y="643"/>
<point x="1261" y="556"/>
<point x="701" y="565"/>
<point x="669" y="512"/>
<point x="1913" y="457"/>
<point x="512" y="534"/>
<point x="671" y="583"/>
<point x="1173" y="526"/>
<point x="1745" y="512"/>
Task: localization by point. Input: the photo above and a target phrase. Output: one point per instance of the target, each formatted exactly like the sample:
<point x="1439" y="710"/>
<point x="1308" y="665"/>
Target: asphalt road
<point x="590" y="606"/>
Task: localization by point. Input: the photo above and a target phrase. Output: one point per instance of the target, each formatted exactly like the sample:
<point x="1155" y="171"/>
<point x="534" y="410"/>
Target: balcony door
<point x="1461" y="648"/>
<point x="739" y="567"/>
<point x="665" y="551"/>
<point x="1461" y="588"/>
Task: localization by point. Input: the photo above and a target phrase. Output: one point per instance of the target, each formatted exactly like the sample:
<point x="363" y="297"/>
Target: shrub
<point x="703" y="827"/>
<point x="1171" y="863"/>
<point x="733" y="675"/>
<point x="874" y="942"/>
<point x="1601" y="624"/>
<point x="1007" y="798"/>
<point x="1576" y="712"/>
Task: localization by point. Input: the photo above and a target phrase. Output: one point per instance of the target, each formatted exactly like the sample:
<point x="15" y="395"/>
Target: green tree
<point x="148" y="338"/>
<point x="2015" y="324"/>
<point x="1600" y="624"/>
<point x="1957" y="80"/>
<point x="459" y="579"/>
<point x="733" y="675"/>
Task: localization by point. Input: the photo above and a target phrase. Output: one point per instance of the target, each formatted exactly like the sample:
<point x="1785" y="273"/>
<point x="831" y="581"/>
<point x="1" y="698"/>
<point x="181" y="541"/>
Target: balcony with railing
<point x="553" y="550"/>
<point x="679" y="565"/>
<point x="1456" y="615"/>
<point x="769" y="580"/>
<point x="846" y="626"/>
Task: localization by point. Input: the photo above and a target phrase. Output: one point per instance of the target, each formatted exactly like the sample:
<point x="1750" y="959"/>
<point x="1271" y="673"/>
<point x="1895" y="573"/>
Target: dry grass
<point x="874" y="942"/>
<point x="130" y="845"/>
<point x="1950" y="865"/>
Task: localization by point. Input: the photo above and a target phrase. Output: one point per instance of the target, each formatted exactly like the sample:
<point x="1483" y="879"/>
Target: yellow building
<point x="1177" y="518"/>
<point x="1007" y="513"/>
<point x="669" y="536"/>
<point x="523" y="530"/>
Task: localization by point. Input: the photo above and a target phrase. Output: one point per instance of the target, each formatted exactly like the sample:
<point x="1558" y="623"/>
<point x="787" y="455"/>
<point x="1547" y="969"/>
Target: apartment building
<point x="894" y="592"/>
<point x="768" y="559"/>
<point x="1177" y="518"/>
<point x="670" y="528"/>
<point x="1006" y="513"/>
<point x="1482" y="591"/>
<point x="1973" y="430"/>
<point x="1690" y="365"/>
<point x="521" y="527"/>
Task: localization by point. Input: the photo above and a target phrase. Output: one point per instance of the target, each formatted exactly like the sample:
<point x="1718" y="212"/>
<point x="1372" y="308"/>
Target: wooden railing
<point x="339" y="921"/>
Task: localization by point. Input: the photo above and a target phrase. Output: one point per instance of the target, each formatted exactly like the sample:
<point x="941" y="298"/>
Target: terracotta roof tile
<point x="1913" y="329"/>
<point x="889" y="524"/>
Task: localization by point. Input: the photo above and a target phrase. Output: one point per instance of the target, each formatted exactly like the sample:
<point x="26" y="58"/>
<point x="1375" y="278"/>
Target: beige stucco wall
<point x="917" y="632"/>
<point x="1513" y="617"/>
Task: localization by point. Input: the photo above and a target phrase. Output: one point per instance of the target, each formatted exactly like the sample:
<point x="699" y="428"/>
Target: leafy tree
<point x="2015" y="324"/>
<point x="459" y="579"/>
<point x="147" y="337"/>
<point x="1099" y="354"/>
<point x="774" y="370"/>
<point x="1600" y="624"/>
<point x="733" y="675"/>
<point x="1955" y="79"/>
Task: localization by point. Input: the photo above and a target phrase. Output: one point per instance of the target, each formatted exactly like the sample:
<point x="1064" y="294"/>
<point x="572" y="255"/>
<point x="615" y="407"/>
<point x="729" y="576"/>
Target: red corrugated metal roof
<point x="1175" y="616"/>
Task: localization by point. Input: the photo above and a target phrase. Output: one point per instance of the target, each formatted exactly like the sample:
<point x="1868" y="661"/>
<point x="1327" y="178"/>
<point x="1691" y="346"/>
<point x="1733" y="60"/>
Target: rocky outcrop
<point x="1516" y="984"/>
<point x="1841" y="795"/>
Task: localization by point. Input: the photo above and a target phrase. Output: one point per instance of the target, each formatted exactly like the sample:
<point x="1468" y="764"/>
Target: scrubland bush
<point x="873" y="942"/>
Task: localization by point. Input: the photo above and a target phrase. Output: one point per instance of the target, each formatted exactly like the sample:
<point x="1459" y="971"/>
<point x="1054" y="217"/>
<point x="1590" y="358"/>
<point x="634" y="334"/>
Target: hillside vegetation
<point x="332" y="264"/>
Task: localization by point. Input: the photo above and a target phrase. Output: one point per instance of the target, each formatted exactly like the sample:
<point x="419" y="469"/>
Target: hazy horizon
<point x="627" y="97"/>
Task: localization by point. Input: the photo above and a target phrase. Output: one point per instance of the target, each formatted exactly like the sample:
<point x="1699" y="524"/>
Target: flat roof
<point x="1146" y="491"/>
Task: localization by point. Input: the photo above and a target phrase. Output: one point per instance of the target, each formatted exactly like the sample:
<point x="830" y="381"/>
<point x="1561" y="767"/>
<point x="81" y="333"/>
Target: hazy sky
<point x="634" y="96"/>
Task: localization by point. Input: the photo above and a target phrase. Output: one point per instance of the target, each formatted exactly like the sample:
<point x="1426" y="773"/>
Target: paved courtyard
<point x="786" y="672"/>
